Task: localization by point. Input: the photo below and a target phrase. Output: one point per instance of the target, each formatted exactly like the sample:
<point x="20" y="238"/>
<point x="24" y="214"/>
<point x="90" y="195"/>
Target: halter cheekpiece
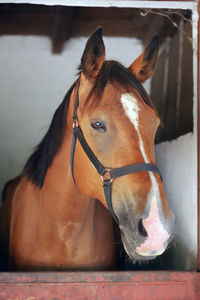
<point x="107" y="175"/>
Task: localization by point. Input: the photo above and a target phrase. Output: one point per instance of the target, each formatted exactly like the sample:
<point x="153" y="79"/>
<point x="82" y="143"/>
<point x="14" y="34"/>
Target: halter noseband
<point x="107" y="175"/>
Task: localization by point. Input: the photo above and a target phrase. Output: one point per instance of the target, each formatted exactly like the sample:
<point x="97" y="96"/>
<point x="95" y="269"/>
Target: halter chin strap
<point x="106" y="174"/>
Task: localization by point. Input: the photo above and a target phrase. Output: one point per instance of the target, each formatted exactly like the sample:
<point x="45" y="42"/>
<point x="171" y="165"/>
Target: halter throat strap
<point x="106" y="174"/>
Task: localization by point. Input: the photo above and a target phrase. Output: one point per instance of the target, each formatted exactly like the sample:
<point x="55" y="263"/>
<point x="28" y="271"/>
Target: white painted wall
<point x="33" y="82"/>
<point x="177" y="161"/>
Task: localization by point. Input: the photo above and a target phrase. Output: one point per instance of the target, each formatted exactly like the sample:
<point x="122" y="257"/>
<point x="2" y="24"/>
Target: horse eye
<point x="98" y="126"/>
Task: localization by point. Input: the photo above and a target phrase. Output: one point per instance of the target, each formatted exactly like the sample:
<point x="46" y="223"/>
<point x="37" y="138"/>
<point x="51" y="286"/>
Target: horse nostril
<point x="141" y="229"/>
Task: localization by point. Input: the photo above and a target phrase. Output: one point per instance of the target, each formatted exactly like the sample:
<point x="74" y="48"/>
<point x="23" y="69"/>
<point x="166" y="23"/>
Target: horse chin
<point x="132" y="253"/>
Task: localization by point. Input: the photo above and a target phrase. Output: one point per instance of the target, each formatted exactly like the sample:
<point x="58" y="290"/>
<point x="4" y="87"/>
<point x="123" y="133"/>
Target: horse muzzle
<point x="147" y="236"/>
<point x="142" y="252"/>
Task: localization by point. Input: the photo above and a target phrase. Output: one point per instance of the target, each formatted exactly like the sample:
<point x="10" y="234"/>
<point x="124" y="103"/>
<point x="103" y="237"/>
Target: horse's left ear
<point x="93" y="55"/>
<point x="144" y="65"/>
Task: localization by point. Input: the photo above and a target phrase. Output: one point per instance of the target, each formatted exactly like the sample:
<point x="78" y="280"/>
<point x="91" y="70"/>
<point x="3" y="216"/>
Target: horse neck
<point x="62" y="195"/>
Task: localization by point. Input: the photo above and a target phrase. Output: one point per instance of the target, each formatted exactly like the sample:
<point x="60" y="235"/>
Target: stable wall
<point x="177" y="161"/>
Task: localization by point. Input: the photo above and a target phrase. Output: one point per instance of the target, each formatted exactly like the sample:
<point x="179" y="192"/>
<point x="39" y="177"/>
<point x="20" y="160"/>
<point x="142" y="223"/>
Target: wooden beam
<point x="61" y="27"/>
<point x="57" y="21"/>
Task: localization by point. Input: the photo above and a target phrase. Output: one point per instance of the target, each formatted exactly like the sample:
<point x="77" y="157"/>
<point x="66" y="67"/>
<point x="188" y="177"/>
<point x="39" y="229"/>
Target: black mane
<point x="115" y="72"/>
<point x="39" y="162"/>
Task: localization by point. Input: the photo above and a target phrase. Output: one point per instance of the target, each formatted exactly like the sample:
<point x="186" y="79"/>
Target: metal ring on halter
<point x="106" y="171"/>
<point x="75" y="123"/>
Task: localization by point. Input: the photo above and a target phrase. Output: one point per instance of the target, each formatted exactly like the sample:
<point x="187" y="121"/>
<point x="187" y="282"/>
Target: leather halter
<point x="107" y="175"/>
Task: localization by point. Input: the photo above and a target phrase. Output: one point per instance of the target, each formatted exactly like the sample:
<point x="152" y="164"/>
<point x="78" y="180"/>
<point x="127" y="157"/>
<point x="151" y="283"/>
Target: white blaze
<point x="131" y="109"/>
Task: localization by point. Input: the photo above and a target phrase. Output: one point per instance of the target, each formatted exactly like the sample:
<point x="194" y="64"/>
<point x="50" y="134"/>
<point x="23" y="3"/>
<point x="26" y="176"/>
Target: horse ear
<point x="93" y="55"/>
<point x="144" y="65"/>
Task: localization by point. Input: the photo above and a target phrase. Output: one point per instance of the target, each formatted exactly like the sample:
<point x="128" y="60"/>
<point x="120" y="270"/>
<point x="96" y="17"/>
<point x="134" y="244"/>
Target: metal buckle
<point x="104" y="176"/>
<point x="75" y="123"/>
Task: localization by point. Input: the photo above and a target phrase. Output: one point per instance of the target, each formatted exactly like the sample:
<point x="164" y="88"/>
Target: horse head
<point x="119" y="123"/>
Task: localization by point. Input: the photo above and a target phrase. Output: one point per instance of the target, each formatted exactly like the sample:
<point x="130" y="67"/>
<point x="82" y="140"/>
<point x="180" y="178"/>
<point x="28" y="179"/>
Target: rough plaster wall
<point x="32" y="84"/>
<point x="177" y="161"/>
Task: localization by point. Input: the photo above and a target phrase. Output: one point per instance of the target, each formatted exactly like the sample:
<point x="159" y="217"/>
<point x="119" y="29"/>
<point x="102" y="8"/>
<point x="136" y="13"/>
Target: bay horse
<point x="95" y="162"/>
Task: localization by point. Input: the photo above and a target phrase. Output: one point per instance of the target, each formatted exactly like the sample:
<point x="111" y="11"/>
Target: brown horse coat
<point x="47" y="221"/>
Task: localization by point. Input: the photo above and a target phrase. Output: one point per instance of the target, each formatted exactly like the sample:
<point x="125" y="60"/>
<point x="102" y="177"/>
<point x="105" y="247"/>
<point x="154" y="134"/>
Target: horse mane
<point x="112" y="71"/>
<point x="38" y="163"/>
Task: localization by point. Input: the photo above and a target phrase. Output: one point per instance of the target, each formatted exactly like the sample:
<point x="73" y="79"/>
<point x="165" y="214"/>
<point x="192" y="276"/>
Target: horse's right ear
<point x="93" y="55"/>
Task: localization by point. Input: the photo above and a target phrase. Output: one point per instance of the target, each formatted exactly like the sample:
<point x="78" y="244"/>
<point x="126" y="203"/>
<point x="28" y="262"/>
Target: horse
<point x="94" y="167"/>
